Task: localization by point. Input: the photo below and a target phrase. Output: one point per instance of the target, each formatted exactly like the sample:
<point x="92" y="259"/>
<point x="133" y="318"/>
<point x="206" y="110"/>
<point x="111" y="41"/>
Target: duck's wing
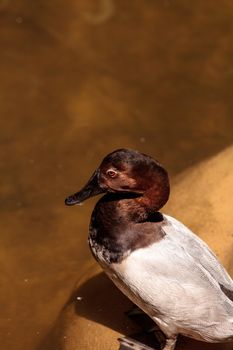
<point x="200" y="252"/>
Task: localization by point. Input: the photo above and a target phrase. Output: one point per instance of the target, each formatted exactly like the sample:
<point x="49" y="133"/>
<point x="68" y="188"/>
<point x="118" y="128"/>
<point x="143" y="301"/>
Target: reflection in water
<point x="155" y="76"/>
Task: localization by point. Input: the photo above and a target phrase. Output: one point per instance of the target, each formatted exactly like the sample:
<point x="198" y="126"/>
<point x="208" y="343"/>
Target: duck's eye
<point x="111" y="173"/>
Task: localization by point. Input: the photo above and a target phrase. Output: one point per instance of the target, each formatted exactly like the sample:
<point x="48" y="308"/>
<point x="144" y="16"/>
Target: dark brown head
<point x="126" y="171"/>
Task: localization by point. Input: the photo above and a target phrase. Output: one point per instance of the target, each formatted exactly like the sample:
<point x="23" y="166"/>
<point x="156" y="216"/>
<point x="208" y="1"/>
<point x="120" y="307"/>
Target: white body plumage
<point x="179" y="283"/>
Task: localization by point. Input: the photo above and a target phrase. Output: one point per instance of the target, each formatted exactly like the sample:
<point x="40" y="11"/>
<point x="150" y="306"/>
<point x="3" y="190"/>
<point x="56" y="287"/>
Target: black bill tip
<point x="71" y="200"/>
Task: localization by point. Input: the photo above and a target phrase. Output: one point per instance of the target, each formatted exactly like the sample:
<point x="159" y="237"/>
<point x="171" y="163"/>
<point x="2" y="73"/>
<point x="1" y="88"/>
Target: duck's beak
<point x="92" y="188"/>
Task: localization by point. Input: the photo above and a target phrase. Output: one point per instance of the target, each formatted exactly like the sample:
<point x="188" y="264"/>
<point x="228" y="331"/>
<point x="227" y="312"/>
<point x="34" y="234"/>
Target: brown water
<point x="79" y="79"/>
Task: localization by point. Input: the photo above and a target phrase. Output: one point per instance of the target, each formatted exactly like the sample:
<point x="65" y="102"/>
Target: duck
<point x="155" y="260"/>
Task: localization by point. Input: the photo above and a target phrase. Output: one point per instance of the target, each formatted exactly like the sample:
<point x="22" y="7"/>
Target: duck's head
<point x="128" y="172"/>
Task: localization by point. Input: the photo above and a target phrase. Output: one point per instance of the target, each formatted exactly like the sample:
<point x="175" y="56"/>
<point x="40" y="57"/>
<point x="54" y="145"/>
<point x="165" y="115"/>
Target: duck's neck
<point x="155" y="197"/>
<point x="122" y="223"/>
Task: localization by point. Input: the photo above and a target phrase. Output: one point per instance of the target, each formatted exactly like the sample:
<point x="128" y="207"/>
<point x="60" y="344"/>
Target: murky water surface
<point x="79" y="79"/>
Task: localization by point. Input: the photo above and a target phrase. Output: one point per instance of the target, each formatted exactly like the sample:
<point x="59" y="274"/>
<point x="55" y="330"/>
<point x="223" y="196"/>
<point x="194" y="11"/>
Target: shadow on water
<point x="77" y="83"/>
<point x="102" y="303"/>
